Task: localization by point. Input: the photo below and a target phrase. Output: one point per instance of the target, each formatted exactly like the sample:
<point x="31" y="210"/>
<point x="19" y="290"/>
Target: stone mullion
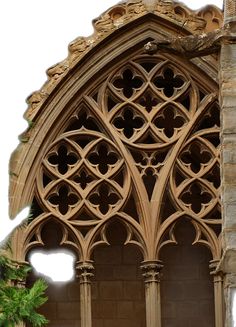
<point x="85" y="274"/>
<point x="151" y="273"/>
<point x="228" y="166"/>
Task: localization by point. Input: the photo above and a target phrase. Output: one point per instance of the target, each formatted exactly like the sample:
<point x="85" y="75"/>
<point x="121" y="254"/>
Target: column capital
<point x="85" y="271"/>
<point x="151" y="271"/>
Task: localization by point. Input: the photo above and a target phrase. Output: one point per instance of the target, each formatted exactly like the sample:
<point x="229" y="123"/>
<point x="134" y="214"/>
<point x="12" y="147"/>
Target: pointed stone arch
<point x="116" y="133"/>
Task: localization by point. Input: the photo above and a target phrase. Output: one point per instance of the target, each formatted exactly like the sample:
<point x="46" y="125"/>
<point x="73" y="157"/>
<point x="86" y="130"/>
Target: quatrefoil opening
<point x="128" y="83"/>
<point x="168" y="82"/>
<point x="169" y="121"/>
<point x="63" y="159"/>
<point x="103" y="158"/>
<point x="128" y="122"/>
<point x="104" y="198"/>
<point x="196" y="156"/>
<point x="196" y="197"/>
<point x="63" y="198"/>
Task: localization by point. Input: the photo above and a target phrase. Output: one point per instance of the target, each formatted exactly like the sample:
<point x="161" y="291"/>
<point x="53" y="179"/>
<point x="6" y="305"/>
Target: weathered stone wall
<point x="227" y="76"/>
<point x="187" y="292"/>
<point x="228" y="136"/>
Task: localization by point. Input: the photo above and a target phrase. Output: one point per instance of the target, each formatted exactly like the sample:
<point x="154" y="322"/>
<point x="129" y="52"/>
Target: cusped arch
<point x="33" y="237"/>
<point x="134" y="236"/>
<point x="203" y="235"/>
<point x="92" y="87"/>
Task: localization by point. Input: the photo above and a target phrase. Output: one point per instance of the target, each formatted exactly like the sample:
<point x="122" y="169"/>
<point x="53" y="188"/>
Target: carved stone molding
<point x="151" y="271"/>
<point x="85" y="272"/>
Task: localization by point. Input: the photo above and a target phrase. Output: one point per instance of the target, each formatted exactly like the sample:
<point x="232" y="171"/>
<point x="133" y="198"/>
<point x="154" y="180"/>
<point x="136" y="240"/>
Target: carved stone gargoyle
<point x="191" y="46"/>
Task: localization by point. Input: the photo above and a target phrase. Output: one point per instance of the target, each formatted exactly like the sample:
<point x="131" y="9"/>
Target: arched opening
<point x="187" y="290"/>
<point x="62" y="308"/>
<point x="118" y="290"/>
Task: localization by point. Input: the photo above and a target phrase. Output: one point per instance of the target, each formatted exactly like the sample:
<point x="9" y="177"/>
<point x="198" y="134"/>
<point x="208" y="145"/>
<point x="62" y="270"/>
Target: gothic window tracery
<point x="147" y="133"/>
<point x="141" y="147"/>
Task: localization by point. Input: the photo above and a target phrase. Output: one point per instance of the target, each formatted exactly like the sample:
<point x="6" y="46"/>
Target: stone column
<point x="85" y="274"/>
<point x="227" y="77"/>
<point x="218" y="293"/>
<point x="151" y="273"/>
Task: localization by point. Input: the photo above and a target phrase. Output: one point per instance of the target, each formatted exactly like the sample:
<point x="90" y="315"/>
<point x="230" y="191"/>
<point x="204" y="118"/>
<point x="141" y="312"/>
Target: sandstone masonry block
<point x="68" y="310"/>
<point x="124" y="272"/>
<point x="104" y="309"/>
<point x="133" y="290"/>
<point x="229" y="174"/>
<point x="230" y="215"/>
<point x="111" y="290"/>
<point x="125" y="309"/>
<point x="228" y="119"/>
<point x="108" y="255"/>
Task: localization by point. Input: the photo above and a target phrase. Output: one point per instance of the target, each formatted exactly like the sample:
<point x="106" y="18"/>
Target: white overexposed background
<point x="34" y="35"/>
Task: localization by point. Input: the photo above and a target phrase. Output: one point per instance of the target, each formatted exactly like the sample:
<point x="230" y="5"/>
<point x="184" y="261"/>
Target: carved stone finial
<point x="85" y="271"/>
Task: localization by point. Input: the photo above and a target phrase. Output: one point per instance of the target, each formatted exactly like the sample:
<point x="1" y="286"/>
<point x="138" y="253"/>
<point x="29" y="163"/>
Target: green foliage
<point x="18" y="304"/>
<point x="12" y="271"/>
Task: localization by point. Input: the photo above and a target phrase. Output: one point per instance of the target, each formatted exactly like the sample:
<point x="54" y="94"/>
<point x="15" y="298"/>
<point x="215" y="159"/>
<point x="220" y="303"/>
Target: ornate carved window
<point x="137" y="143"/>
<point x="142" y="146"/>
<point x="147" y="134"/>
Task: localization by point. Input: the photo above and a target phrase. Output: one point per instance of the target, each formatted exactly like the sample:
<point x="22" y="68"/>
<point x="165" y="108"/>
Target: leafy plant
<point x="17" y="303"/>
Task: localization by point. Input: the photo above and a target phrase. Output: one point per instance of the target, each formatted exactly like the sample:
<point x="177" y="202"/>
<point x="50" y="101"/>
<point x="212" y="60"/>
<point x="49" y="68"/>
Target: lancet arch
<point x="124" y="135"/>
